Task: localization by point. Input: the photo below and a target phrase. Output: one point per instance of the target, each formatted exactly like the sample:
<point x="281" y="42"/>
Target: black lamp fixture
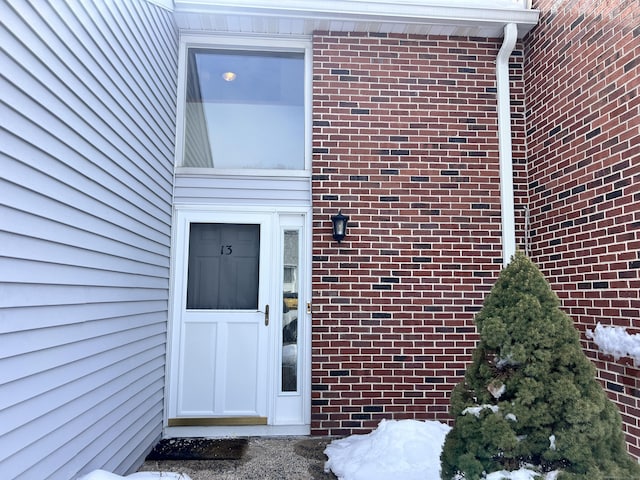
<point x="339" y="226"/>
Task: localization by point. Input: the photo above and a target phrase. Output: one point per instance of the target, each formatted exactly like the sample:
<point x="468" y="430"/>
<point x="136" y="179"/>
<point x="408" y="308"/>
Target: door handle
<point x="266" y="315"/>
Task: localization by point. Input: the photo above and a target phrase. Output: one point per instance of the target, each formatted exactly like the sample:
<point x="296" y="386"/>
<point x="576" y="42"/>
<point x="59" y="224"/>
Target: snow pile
<point x="401" y="449"/>
<point x="406" y="449"/>
<point x="104" y="475"/>
<point x="615" y="341"/>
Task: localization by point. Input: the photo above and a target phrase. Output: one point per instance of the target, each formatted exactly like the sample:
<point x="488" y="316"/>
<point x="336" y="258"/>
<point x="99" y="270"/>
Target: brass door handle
<point x="266" y="315"/>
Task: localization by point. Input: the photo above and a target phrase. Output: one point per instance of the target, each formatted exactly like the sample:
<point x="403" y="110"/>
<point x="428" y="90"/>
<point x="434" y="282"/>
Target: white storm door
<point x="224" y="318"/>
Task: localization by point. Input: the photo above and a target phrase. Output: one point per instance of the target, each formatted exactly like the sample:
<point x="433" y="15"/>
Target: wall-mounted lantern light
<point x="339" y="226"/>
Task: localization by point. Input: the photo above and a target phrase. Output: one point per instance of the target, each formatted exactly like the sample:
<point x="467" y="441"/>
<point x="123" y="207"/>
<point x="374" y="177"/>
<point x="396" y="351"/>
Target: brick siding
<point x="582" y="74"/>
<point x="405" y="144"/>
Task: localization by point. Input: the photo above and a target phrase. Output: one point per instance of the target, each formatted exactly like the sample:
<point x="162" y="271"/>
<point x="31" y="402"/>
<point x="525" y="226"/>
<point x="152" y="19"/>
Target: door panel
<point x="241" y="387"/>
<point x="198" y="368"/>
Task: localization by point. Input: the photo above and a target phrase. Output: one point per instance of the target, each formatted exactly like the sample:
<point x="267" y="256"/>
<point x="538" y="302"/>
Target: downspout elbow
<point x="504" y="142"/>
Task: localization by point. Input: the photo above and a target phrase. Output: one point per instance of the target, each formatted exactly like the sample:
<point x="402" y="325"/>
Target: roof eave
<point x="299" y="17"/>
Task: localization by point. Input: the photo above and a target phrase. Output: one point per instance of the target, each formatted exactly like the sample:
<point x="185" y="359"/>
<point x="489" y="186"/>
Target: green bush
<point x="530" y="395"/>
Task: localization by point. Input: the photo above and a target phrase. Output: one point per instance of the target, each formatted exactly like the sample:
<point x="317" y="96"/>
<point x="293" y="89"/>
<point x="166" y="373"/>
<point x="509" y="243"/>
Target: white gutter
<point x="504" y="143"/>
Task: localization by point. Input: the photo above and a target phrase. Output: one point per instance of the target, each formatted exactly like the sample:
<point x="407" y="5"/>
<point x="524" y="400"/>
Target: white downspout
<point x="504" y="143"/>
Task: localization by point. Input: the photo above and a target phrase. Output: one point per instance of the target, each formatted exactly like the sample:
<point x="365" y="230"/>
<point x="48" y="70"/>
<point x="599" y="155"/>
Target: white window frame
<point x="244" y="43"/>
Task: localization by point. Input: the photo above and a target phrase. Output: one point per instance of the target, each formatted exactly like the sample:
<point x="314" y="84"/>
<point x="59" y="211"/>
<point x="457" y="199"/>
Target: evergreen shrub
<point x="530" y="396"/>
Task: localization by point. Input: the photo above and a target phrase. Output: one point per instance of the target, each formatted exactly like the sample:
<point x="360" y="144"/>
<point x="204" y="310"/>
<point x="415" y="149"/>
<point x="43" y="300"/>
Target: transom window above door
<point x="244" y="109"/>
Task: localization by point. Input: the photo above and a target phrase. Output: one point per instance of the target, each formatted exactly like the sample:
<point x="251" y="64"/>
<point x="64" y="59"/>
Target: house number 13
<point x="225" y="250"/>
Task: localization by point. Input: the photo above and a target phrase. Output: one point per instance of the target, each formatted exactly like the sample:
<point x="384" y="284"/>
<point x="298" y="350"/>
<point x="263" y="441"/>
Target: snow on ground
<point x="406" y="449"/>
<point x="616" y="341"/>
<point x="104" y="475"/>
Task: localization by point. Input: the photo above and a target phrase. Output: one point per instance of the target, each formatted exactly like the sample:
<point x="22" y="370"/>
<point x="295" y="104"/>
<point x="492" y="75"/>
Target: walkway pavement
<point x="273" y="458"/>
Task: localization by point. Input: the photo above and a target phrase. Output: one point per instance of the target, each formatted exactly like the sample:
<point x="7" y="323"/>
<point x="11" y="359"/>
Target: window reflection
<point x="244" y="110"/>
<point x="290" y="311"/>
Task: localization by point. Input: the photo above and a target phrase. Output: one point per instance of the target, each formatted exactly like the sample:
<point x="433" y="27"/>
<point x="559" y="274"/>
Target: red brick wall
<point x="405" y="143"/>
<point x="582" y="75"/>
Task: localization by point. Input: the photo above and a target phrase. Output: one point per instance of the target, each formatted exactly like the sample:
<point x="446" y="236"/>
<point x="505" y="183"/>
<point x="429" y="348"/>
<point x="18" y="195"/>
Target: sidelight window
<point x="290" y="287"/>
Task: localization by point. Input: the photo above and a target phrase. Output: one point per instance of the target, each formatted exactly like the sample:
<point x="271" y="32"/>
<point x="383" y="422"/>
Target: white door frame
<point x="277" y="402"/>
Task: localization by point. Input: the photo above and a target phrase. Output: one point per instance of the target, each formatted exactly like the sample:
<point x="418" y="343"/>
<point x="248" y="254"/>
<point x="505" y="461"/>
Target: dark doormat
<point x="199" y="449"/>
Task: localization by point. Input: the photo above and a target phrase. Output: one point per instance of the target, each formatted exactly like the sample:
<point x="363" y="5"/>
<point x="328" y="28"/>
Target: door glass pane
<point x="290" y="311"/>
<point x="223" y="267"/>
<point x="244" y="110"/>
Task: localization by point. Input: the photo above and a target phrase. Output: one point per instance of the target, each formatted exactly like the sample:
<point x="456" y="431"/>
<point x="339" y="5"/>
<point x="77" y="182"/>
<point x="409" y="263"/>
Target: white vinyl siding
<point x="87" y="131"/>
<point x="194" y="189"/>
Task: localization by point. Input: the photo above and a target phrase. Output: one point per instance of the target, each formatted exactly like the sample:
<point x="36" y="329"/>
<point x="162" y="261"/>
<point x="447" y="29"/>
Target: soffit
<point x="466" y="18"/>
